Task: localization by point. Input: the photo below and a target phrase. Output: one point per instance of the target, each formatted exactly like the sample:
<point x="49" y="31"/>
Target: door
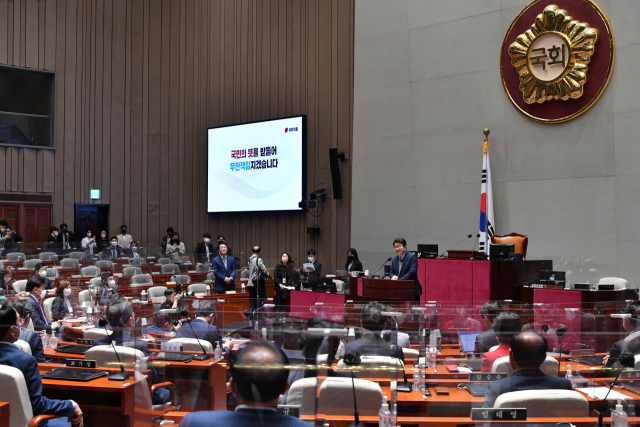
<point x="11" y="214"/>
<point x="37" y="224"/>
<point x="91" y="217"/>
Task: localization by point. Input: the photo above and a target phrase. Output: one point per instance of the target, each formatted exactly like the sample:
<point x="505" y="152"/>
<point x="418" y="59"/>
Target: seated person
<point x="631" y="325"/>
<point x="487" y="339"/>
<point x="6" y="281"/>
<point x="395" y="337"/>
<point x="107" y="288"/>
<point x="112" y="251"/>
<point x="256" y="386"/>
<point x="163" y="325"/>
<point x="62" y="305"/>
<point x="31" y="338"/>
<point x="203" y="327"/>
<point x="172" y="300"/>
<point x="507" y="324"/>
<point x="526" y="353"/>
<point x="122" y="321"/>
<point x="371" y="342"/>
<point x="35" y="290"/>
<point x="10" y="355"/>
<point x="40" y="270"/>
<point x="134" y="251"/>
<point x="317" y="267"/>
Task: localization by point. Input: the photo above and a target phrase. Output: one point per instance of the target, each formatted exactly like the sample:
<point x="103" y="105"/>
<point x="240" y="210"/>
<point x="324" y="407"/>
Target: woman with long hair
<point x="283" y="276"/>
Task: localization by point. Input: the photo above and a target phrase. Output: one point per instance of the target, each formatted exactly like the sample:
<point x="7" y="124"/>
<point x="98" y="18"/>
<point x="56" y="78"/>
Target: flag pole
<point x="485" y="150"/>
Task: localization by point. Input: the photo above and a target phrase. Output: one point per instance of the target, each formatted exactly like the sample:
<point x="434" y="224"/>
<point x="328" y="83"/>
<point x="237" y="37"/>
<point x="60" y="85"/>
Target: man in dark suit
<point x="256" y="385"/>
<point x="317" y="267"/>
<point x="66" y="239"/>
<point x="52" y="241"/>
<point x="527" y="352"/>
<point x="404" y="266"/>
<point x="487" y="339"/>
<point x="36" y="291"/>
<point x="10" y="355"/>
<point x="24" y="308"/>
<point x="11" y="241"/>
<point x="112" y="251"/>
<point x="220" y="240"/>
<point x="371" y="343"/>
<point x="40" y="270"/>
<point x="134" y="251"/>
<point x="202" y="327"/>
<point x="224" y="270"/>
<point x="203" y="252"/>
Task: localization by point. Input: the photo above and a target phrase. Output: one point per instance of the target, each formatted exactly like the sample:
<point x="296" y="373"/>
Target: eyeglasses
<point x="398" y="246"/>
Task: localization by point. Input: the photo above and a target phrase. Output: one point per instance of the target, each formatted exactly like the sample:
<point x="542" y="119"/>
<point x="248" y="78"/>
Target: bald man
<point x="526" y="353"/>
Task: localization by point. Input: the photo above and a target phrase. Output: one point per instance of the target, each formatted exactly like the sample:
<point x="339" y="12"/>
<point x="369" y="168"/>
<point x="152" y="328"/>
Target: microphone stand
<point x="468" y="237"/>
<point x="403" y="387"/>
<point x="204" y="355"/>
<point x="383" y="264"/>
<point x="356" y="418"/>
<point x="123" y="375"/>
<point x="560" y="332"/>
<point x="627" y="360"/>
<point x="474" y="246"/>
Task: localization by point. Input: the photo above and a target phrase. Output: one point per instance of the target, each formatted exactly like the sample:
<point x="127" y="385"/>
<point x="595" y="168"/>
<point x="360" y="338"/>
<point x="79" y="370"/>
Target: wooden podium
<point x="383" y="290"/>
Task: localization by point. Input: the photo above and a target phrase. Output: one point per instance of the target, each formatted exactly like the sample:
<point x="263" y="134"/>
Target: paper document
<point x="308" y="267"/>
<point x="601" y="392"/>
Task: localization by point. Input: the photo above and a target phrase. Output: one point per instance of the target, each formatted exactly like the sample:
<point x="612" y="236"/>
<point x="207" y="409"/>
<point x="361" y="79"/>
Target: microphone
<point x="560" y="332"/>
<point x="204" y="355"/>
<point x="545" y="328"/>
<point x="468" y="237"/>
<point x="627" y="360"/>
<point x="123" y="375"/>
<point x="352" y="358"/>
<point x="403" y="387"/>
<point x="383" y="264"/>
<point x="474" y="246"/>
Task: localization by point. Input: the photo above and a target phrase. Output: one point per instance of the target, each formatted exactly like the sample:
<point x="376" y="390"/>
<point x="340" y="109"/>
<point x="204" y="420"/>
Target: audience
<point x="175" y="249"/>
<point x="11" y="241"/>
<point x="632" y="325"/>
<point x="283" y="275"/>
<point x="203" y="253"/>
<point x="224" y="270"/>
<point x="107" y="288"/>
<point x="507" y="324"/>
<point x="488" y="339"/>
<point x="6" y="281"/>
<point x="124" y="239"/>
<point x="25" y="309"/>
<point x="391" y="335"/>
<point x="10" y="355"/>
<point x="35" y="290"/>
<point x="371" y="342"/>
<point x="163" y="325"/>
<point x="52" y="241"/>
<point x="165" y="240"/>
<point x="62" y="305"/>
<point x="202" y="327"/>
<point x="220" y="240"/>
<point x="172" y="300"/>
<point x="66" y="239"/>
<point x="112" y="251"/>
<point x="134" y="251"/>
<point x="40" y="270"/>
<point x="102" y="241"/>
<point x="89" y="243"/>
<point x="526" y="353"/>
<point x="256" y="284"/>
<point x="259" y="373"/>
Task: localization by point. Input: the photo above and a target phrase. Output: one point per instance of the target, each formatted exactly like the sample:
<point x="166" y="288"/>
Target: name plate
<point x="290" y="410"/>
<point x="155" y="272"/>
<point x="76" y="275"/>
<point x="503" y="414"/>
<point x="82" y="341"/>
<point x="486" y="377"/>
<point x="606" y="287"/>
<point x="171" y="346"/>
<point x="79" y="363"/>
<point x="630" y="375"/>
<point x="582" y="286"/>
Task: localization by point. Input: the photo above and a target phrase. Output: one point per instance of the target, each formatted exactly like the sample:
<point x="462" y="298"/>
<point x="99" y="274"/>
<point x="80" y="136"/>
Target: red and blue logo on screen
<point x="295" y="129"/>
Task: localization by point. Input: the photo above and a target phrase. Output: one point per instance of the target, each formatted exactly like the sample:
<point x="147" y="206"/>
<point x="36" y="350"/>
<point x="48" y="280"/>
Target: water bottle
<point x="242" y="288"/>
<point x="423" y="377"/>
<point x="45" y="340"/>
<point x="431" y="358"/>
<point x="569" y="375"/>
<point x="394" y="415"/>
<point x="384" y="416"/>
<point x="143" y="326"/>
<point x="143" y="295"/>
<point x="217" y="354"/>
<point x="137" y="371"/>
<point x="351" y="336"/>
<point x="53" y="342"/>
<point x="438" y="340"/>
<point x="416" y="378"/>
<point x="619" y="417"/>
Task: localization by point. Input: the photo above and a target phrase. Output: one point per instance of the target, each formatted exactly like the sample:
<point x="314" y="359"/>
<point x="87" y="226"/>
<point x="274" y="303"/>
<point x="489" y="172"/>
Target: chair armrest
<point x="35" y="422"/>
<point x="170" y="386"/>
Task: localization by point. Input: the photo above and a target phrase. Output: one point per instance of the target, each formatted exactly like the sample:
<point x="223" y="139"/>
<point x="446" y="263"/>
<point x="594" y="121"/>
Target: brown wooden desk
<point x="4" y="414"/>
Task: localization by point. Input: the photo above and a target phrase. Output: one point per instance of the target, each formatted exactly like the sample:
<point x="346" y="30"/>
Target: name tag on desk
<point x="486" y="377"/>
<point x="502" y="414"/>
<point x="171" y="346"/>
<point x="630" y="375"/>
<point x="290" y="410"/>
<point x="82" y="341"/>
<point x="75" y="363"/>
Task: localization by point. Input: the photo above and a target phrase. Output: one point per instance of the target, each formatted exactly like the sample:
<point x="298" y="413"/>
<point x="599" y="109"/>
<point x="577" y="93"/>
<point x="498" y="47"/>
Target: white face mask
<point x="134" y="248"/>
<point x="111" y="282"/>
<point x="2" y="229"/>
<point x="88" y="234"/>
<point x="42" y="274"/>
<point x="206" y="240"/>
<point x="55" y="233"/>
<point x="103" y="235"/>
<point x="43" y="293"/>
<point x="310" y="259"/>
<point x="114" y="244"/>
<point x="67" y="292"/>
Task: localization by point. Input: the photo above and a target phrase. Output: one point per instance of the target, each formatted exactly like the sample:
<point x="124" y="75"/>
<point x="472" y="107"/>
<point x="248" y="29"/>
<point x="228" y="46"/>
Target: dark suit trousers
<point x="256" y="293"/>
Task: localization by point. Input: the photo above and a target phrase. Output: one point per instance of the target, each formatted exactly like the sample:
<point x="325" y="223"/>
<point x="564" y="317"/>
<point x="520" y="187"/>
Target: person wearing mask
<point x="203" y="253"/>
<point x="404" y="266"/>
<point x="353" y="262"/>
<point x="175" y="249"/>
<point x="259" y="375"/>
<point x="6" y="281"/>
<point x="631" y="343"/>
<point x="166" y="239"/>
<point x="224" y="270"/>
<point x="112" y="251"/>
<point x="40" y="270"/>
<point x="283" y="276"/>
<point x="487" y="339"/>
<point x="314" y="272"/>
<point x="24" y="308"/>
<point x="102" y="241"/>
<point x="371" y="342"/>
<point x="527" y="352"/>
<point x="124" y="239"/>
<point x="257" y="274"/>
<point x="134" y="251"/>
<point x="506" y="324"/>
<point x="11" y="241"/>
<point x="10" y="355"/>
<point x="172" y="300"/>
<point x="221" y="239"/>
<point x="35" y="290"/>
<point x="52" y="241"/>
<point x="3" y="226"/>
<point x="204" y="328"/>
<point x="89" y="245"/>
<point x="62" y="305"/>
<point x="66" y="239"/>
<point x="107" y="288"/>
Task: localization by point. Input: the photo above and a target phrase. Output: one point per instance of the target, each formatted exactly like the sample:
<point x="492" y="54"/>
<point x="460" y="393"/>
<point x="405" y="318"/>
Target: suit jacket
<point x="220" y="273"/>
<point x="129" y="253"/>
<point x="72" y="238"/>
<point x="485" y="341"/>
<point x="524" y="379"/>
<point x="200" y="252"/>
<point x="370" y="344"/>
<point x="492" y="356"/>
<point x="401" y="339"/>
<point x="10" y="355"/>
<point x="356" y="266"/>
<point x="47" y="282"/>
<point x="35" y="343"/>
<point x="409" y="270"/>
<point x="316" y="265"/>
<point x="13" y="244"/>
<point x="52" y="244"/>
<point x="242" y="417"/>
<point x="203" y="331"/>
<point x="107" y="252"/>
<point x="40" y="321"/>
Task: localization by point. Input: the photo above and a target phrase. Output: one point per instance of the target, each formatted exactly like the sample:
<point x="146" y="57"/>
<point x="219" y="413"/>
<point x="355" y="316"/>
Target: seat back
<point x="30" y="263"/>
<point x="181" y="279"/>
<point x="199" y="288"/>
<point x="210" y="276"/>
<point x="502" y="366"/>
<point x="494" y="348"/>
<point x="336" y="397"/>
<point x="170" y="268"/>
<point x="95" y="333"/>
<point x="90" y="271"/>
<point x="131" y="271"/>
<point x="163" y="261"/>
<point x="244" y="273"/>
<point x="303" y="393"/>
<point x="19" y="285"/>
<point x="96" y="282"/>
<point x="104" y="263"/>
<point x="617" y="282"/>
<point x="48" y="256"/>
<point x="16" y="256"/>
<point x="23" y="346"/>
<point x="203" y="268"/>
<point x="46" y="306"/>
<point x="84" y="296"/>
<point x="376" y="367"/>
<point x="14" y="390"/>
<point x="105" y="356"/>
<point x="519" y="242"/>
<point x="410" y="353"/>
<point x="191" y="344"/>
<point x="52" y="273"/>
<point x="69" y="263"/>
<point x="137" y="261"/>
<point x="637" y="362"/>
<point x="141" y="279"/>
<point x="546" y="403"/>
<point x="156" y="291"/>
<point x="77" y="255"/>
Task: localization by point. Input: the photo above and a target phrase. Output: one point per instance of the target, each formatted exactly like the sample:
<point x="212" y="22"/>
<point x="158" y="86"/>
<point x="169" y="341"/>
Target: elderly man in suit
<point x="526" y="353"/>
<point x="224" y="270"/>
<point x="404" y="266"/>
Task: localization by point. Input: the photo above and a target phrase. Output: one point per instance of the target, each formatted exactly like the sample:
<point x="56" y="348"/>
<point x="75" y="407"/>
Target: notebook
<point x="70" y="374"/>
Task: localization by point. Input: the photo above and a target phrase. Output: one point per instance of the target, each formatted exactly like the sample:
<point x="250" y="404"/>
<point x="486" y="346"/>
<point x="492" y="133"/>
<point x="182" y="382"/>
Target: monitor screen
<point x="257" y="166"/>
<point x="467" y="341"/>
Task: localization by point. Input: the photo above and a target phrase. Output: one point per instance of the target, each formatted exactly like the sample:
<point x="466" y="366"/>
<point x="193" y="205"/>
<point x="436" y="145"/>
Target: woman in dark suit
<point x="6" y="281"/>
<point x="353" y="262"/>
<point x="62" y="305"/>
<point x="283" y="276"/>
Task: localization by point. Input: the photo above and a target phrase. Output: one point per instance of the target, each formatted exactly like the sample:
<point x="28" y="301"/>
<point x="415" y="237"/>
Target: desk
<point x="4" y="414"/>
<point x="302" y="304"/>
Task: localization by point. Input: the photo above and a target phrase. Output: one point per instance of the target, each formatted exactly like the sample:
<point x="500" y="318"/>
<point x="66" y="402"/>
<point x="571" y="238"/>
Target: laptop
<point x="72" y="348"/>
<point x="474" y="365"/>
<point x="70" y="374"/>
<point x="175" y="357"/>
<point x="323" y="283"/>
<point x="427" y="250"/>
<point x="589" y="360"/>
<point x="467" y="341"/>
<point x="477" y="389"/>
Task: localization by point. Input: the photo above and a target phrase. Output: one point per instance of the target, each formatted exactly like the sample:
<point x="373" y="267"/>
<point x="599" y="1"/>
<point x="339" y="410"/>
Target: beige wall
<point x="139" y="82"/>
